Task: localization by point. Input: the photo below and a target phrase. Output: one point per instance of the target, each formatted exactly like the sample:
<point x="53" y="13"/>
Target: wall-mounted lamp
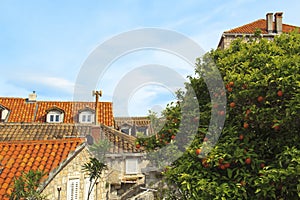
<point x="58" y="189"/>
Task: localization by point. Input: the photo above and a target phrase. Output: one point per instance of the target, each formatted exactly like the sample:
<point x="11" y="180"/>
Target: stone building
<point x="268" y="28"/>
<point x="34" y="129"/>
<point x="17" y="157"/>
<point x="133" y="125"/>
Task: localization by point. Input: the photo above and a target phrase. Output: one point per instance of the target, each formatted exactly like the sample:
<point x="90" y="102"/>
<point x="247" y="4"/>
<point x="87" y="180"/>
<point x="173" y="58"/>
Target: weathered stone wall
<point x="73" y="170"/>
<point x="228" y="39"/>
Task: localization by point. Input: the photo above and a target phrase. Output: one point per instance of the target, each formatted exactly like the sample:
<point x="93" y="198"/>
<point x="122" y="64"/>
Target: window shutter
<point x="73" y="189"/>
<point x="86" y="189"/>
<point x="131" y="166"/>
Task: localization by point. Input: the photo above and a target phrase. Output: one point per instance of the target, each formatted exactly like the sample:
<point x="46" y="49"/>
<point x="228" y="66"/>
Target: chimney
<point x="278" y="22"/>
<point x="32" y="97"/>
<point x="97" y="94"/>
<point x="269" y="19"/>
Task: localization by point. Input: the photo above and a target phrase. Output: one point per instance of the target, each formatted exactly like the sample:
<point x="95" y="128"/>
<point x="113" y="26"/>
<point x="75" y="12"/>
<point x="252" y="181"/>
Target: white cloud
<point x="149" y="98"/>
<point x="47" y="82"/>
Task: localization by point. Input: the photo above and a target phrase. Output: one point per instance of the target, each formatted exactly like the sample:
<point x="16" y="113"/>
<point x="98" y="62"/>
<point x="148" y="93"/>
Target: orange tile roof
<point x="139" y="121"/>
<point x="41" y="131"/>
<point x="23" y="111"/>
<point x="21" y="156"/>
<point x="262" y="25"/>
<point x="48" y="131"/>
<point x="20" y="110"/>
<point x="121" y="142"/>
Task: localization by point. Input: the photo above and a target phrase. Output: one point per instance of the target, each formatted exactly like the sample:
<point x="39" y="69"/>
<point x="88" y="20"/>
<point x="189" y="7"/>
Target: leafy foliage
<point x="100" y="148"/>
<point x="94" y="169"/>
<point x="26" y="186"/>
<point x="257" y="155"/>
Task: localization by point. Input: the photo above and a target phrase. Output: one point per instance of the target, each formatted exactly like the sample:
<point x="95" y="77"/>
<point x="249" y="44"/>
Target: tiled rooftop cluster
<point x="17" y="157"/>
<point x="41" y="131"/>
<point x="121" y="143"/>
<point x="23" y="111"/>
<point x="48" y="131"/>
<point x="27" y="142"/>
<point x="139" y="121"/>
<point x="259" y="24"/>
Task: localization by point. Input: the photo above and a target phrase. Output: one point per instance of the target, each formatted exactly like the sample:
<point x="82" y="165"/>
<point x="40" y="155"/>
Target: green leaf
<point x="229" y="173"/>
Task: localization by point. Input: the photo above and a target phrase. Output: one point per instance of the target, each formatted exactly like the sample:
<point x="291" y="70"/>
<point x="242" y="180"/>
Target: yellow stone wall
<point x="73" y="170"/>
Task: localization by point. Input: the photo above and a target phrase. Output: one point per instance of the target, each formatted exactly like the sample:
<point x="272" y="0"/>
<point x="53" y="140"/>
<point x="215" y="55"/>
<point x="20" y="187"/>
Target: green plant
<point x="100" y="148"/>
<point x="257" y="154"/>
<point x="26" y="186"/>
<point x="94" y="169"/>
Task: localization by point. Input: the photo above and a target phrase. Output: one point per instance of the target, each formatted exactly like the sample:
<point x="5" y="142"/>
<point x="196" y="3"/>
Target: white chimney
<point x="278" y="22"/>
<point x="269" y="19"/>
<point x="32" y="97"/>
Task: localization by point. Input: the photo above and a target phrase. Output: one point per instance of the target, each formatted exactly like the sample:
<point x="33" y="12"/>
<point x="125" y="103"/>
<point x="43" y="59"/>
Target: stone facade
<point x="73" y="170"/>
<point x="268" y="29"/>
<point x="126" y="175"/>
<point x="122" y="180"/>
<point x="228" y="38"/>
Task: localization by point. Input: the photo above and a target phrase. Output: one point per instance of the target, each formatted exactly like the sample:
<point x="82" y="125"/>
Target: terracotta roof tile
<point x="37" y="131"/>
<point x="139" y="121"/>
<point x="259" y="24"/>
<point x="20" y="110"/>
<point x="50" y="131"/>
<point x="23" y="111"/>
<point x="13" y="169"/>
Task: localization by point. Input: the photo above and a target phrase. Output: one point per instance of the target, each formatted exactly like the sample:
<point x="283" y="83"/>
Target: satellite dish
<point x="89" y="140"/>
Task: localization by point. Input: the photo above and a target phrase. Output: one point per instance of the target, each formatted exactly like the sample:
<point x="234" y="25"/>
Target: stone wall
<point x="228" y="39"/>
<point x="114" y="183"/>
<point x="72" y="170"/>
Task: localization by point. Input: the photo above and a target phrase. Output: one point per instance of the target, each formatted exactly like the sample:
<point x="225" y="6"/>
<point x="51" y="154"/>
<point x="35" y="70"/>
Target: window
<point x="55" y="116"/>
<point x="89" y="118"/>
<point x="73" y="189"/>
<point x="86" y="116"/>
<point x="131" y="166"/>
<point x="125" y="130"/>
<point x="86" y="189"/>
<point x="143" y="130"/>
<point x="4" y="112"/>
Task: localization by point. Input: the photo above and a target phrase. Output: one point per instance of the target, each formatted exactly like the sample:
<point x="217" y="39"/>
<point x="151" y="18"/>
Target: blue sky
<point x="43" y="44"/>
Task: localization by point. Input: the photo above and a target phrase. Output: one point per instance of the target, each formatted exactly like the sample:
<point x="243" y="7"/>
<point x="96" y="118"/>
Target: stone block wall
<point x="72" y="170"/>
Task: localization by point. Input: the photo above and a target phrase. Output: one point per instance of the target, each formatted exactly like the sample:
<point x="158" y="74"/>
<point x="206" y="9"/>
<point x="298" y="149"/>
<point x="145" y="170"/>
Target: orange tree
<point x="257" y="155"/>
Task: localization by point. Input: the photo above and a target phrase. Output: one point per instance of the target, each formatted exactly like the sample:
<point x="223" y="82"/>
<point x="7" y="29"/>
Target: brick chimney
<point x="269" y="20"/>
<point x="278" y="22"/>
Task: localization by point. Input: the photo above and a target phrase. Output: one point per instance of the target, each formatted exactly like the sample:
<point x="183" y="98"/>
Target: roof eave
<point x="55" y="171"/>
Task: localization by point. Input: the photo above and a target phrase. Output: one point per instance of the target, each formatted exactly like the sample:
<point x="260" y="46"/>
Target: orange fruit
<point x="246" y="125"/>
<point x="260" y="99"/>
<point x="279" y="93"/>
<point x="232" y="104"/>
<point x="198" y="151"/>
<point x="248" y="161"/>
